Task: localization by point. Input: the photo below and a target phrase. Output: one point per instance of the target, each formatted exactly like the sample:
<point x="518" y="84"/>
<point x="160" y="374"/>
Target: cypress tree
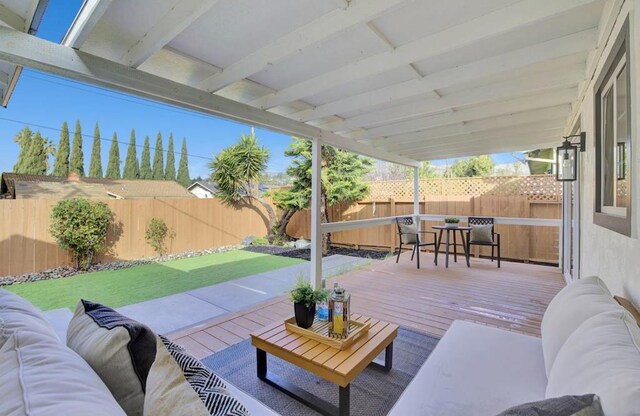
<point x="158" y="160"/>
<point x="76" y="164"/>
<point x="145" y="161"/>
<point x="95" y="168"/>
<point x="61" y="165"/>
<point x="170" y="171"/>
<point x="23" y="138"/>
<point x="183" y="167"/>
<point x="35" y="162"/>
<point x="113" y="167"/>
<point x="131" y="168"/>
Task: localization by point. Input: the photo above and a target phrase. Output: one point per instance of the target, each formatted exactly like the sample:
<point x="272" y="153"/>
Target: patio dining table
<point x="448" y="243"/>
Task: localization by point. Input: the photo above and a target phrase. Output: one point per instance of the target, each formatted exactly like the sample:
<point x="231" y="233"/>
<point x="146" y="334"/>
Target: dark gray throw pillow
<point x="586" y="405"/>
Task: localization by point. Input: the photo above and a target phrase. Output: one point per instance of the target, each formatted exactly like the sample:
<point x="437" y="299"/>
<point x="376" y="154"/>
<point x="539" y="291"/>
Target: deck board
<point x="428" y="300"/>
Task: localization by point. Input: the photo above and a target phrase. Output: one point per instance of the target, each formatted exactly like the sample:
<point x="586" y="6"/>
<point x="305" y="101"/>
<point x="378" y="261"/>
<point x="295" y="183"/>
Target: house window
<point x="613" y="139"/>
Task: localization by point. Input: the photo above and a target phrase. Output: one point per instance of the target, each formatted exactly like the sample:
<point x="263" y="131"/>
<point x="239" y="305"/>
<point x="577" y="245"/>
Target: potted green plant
<point x="304" y="300"/>
<point x="451" y="222"/>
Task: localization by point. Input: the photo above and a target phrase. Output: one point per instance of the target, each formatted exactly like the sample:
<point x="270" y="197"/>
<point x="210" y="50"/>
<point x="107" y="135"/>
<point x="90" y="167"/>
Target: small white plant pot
<point x="451" y="225"/>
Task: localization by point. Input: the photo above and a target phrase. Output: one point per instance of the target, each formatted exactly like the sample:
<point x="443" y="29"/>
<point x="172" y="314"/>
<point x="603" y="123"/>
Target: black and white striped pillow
<point x="168" y="394"/>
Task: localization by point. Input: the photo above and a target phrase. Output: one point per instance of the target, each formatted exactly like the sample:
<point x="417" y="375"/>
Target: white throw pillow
<point x="602" y="356"/>
<point x="573" y="305"/>
<point x="17" y="314"/>
<point x="42" y="377"/>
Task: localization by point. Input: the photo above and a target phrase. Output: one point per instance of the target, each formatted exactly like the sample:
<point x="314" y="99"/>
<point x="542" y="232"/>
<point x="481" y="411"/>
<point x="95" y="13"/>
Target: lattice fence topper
<point x="535" y="187"/>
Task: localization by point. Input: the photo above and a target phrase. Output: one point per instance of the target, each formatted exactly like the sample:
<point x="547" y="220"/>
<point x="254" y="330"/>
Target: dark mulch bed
<point x="305" y="253"/>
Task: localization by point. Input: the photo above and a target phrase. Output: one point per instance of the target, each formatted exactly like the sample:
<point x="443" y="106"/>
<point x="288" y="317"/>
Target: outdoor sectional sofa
<point x="589" y="344"/>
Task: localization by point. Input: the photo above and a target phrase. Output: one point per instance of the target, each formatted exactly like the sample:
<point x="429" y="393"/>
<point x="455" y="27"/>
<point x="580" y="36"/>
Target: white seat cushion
<point x="40" y="376"/>
<point x="602" y="356"/>
<point x="476" y="370"/>
<point x="17" y="314"/>
<point x="573" y="305"/>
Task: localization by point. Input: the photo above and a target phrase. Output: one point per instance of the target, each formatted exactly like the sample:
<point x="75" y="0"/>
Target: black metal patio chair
<point x="410" y="235"/>
<point x="493" y="241"/>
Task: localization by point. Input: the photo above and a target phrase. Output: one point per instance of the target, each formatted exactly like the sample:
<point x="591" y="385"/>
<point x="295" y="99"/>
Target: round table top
<point x="459" y="227"/>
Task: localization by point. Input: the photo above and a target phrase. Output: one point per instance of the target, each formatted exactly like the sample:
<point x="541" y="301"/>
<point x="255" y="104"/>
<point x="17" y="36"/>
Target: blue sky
<point x="43" y="102"/>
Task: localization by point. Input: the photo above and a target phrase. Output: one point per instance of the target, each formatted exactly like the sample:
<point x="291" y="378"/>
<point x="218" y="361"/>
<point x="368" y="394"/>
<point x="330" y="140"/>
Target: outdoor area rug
<point x="373" y="392"/>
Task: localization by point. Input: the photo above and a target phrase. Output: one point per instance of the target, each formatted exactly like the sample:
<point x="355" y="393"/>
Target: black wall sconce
<point x="567" y="157"/>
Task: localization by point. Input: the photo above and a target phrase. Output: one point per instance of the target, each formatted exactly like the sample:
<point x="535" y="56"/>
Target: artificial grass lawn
<point x="117" y="288"/>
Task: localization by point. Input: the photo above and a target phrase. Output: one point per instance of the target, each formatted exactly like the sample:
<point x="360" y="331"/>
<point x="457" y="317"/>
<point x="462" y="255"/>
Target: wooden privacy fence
<point x="522" y="197"/>
<point x="26" y="245"/>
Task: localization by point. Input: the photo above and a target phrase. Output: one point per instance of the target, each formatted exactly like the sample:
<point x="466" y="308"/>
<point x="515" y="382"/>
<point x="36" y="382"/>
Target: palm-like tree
<point x="236" y="171"/>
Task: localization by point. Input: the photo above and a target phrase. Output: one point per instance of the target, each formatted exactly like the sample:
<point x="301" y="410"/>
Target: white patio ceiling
<point x="22" y="15"/>
<point x="401" y="80"/>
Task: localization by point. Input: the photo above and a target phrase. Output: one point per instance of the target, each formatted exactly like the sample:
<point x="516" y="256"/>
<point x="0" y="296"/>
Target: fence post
<point x="392" y="212"/>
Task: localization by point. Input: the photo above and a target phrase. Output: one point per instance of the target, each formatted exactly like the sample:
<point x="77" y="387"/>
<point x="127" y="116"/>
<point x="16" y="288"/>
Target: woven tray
<point x="319" y="331"/>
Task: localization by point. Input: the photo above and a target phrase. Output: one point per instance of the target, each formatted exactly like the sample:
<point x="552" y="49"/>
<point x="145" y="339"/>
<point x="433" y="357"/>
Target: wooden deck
<point x="513" y="297"/>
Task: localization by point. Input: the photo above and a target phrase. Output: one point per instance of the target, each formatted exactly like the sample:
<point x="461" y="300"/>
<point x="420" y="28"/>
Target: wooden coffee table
<point x="331" y="364"/>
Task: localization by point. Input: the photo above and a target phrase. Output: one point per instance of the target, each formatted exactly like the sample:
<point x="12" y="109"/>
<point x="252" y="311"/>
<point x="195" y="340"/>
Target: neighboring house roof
<point x="35" y="186"/>
<point x="209" y="186"/>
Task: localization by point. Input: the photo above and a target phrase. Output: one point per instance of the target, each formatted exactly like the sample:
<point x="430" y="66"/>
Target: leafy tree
<point x="95" y="167"/>
<point x="474" y="166"/>
<point x="170" y="171"/>
<point x="76" y="164"/>
<point x="156" y="235"/>
<point x="80" y="226"/>
<point x="426" y="171"/>
<point x="145" y="161"/>
<point x="158" y="160"/>
<point x="61" y="165"/>
<point x="183" y="166"/>
<point x="236" y="171"/>
<point x="113" y="167"/>
<point x="131" y="169"/>
<point x="342" y="182"/>
<point x="23" y="139"/>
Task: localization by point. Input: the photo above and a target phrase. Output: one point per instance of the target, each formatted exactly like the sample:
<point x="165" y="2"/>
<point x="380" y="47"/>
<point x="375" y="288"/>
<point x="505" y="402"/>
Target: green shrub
<point x="156" y="235"/>
<point x="80" y="226"/>
<point x="260" y="241"/>
<point x="451" y="220"/>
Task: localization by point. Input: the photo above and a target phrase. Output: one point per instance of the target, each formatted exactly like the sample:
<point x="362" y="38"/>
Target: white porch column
<point x="316" y="218"/>
<point x="416" y="192"/>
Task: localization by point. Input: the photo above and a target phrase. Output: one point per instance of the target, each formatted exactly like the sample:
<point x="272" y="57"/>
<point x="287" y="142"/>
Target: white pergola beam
<point x="499" y="22"/>
<point x="482" y="139"/>
<point x="516" y="105"/>
<point x="174" y="22"/>
<point x="316" y="211"/>
<point x="544" y="81"/>
<point x="336" y="21"/>
<point x="89" y="15"/>
<point x="22" y="49"/>
<point x="495" y="123"/>
<point x="510" y="147"/>
<point x="510" y="61"/>
<point x="11" y="19"/>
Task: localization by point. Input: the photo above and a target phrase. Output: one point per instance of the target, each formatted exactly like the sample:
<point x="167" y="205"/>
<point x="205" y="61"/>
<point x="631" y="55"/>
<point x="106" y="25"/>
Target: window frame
<point x="606" y="216"/>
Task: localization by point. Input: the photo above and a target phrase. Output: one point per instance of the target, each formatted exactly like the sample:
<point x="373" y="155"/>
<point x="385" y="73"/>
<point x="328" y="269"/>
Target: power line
<point x="90" y="136"/>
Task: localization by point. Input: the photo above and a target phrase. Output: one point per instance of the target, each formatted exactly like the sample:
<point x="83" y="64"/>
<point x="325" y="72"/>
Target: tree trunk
<point x="284" y="221"/>
<point x="272" y="219"/>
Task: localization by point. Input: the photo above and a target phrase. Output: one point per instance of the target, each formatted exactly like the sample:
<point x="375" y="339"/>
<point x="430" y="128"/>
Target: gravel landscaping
<point x="305" y="253"/>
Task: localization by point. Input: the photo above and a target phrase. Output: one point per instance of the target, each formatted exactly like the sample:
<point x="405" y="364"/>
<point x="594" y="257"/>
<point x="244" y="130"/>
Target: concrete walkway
<point x="170" y="313"/>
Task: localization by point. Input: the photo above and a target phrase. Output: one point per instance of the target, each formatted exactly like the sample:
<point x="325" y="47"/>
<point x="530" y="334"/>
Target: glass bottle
<point x="339" y="311"/>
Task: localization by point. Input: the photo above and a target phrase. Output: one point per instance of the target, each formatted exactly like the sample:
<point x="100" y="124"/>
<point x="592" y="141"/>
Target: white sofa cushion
<point x="573" y="305"/>
<point x="17" y="313"/>
<point x="40" y="376"/>
<point x="602" y="356"/>
<point x="476" y="370"/>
